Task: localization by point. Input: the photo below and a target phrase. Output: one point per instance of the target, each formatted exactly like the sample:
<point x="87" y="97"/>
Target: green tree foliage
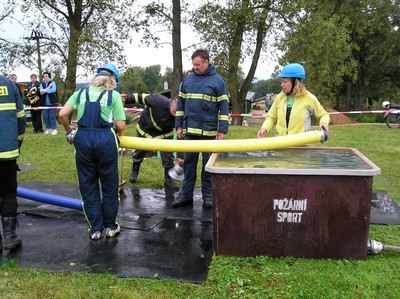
<point x="132" y="81"/>
<point x="351" y="50"/>
<point x="170" y="16"/>
<point x="152" y="78"/>
<point x="323" y="45"/>
<point x="237" y="30"/>
<point x="260" y="88"/>
<point x="80" y="33"/>
<point x="263" y="87"/>
<point x="11" y="54"/>
<point x="377" y="35"/>
<point x="143" y="80"/>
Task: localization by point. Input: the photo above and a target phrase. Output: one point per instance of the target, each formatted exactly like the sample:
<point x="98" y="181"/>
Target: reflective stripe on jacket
<point x="203" y="104"/>
<point x="12" y="119"/>
<point x="156" y="120"/>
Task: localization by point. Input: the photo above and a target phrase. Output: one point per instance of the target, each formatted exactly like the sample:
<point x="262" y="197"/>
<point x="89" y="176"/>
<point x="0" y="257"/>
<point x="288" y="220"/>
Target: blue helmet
<point x="111" y="68"/>
<point x="293" y="70"/>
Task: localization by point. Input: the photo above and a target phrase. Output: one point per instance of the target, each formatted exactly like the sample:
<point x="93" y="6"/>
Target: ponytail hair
<point x="299" y="88"/>
<point x="104" y="80"/>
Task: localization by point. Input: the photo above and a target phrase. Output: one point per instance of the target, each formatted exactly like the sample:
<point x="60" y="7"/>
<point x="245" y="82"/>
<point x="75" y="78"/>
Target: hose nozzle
<point x="374" y="247"/>
<point x="324" y="135"/>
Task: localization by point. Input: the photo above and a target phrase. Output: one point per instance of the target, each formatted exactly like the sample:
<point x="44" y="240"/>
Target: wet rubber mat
<point x="126" y="218"/>
<point x="134" y="201"/>
<point x="156" y="240"/>
<point x="384" y="210"/>
<point x="51" y="211"/>
<point x="176" y="249"/>
<point x="140" y="208"/>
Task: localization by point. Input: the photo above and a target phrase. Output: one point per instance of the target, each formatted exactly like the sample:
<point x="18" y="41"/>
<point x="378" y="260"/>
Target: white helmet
<point x="386" y="105"/>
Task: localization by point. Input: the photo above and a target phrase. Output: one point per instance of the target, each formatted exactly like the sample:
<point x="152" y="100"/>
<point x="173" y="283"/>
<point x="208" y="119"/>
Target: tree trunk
<point x="72" y="62"/>
<point x="347" y="95"/>
<point x="234" y="57"/>
<point x="233" y="67"/>
<point x="177" y="75"/>
<point x="236" y="109"/>
<point x="75" y="32"/>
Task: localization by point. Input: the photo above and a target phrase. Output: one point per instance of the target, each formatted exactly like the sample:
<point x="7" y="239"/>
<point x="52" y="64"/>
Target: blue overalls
<point x="96" y="156"/>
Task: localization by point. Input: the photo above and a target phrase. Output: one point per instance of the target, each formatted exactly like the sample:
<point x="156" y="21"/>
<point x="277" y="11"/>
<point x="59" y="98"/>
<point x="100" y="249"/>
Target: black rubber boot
<point x="169" y="182"/>
<point x="180" y="201"/>
<point x="207" y="202"/>
<point x="134" y="172"/>
<point x="11" y="240"/>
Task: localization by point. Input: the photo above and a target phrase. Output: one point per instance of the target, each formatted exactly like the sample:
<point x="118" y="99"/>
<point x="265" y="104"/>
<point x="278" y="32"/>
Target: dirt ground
<point x="340" y="119"/>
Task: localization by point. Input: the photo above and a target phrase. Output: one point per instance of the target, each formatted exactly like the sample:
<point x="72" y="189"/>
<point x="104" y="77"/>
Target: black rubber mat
<point x="156" y="240"/>
<point x="176" y="249"/>
<point x="126" y="218"/>
<point x="384" y="210"/>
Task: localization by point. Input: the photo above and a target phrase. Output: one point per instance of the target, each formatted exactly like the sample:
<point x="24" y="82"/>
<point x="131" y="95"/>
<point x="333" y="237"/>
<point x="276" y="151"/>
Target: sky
<point x="140" y="55"/>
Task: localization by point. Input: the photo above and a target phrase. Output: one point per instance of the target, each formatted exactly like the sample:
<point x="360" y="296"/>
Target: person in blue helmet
<point x="293" y="109"/>
<point x="98" y="107"/>
<point x="12" y="129"/>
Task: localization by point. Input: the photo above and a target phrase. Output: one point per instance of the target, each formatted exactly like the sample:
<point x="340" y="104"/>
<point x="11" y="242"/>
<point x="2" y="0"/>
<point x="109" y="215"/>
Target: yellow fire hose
<point x="228" y="145"/>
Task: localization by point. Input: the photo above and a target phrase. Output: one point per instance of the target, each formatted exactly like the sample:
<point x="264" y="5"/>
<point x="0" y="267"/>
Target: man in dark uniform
<point x="202" y="113"/>
<point x="156" y="121"/>
<point x="12" y="129"/>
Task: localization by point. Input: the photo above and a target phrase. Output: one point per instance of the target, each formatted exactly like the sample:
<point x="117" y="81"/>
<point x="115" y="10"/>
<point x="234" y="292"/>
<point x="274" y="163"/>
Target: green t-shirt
<point x="290" y="101"/>
<point x="108" y="113"/>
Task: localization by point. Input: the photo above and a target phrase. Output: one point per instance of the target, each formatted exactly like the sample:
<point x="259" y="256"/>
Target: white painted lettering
<point x="276" y="203"/>
<point x="289" y="217"/>
<point x="289" y="209"/>
<point x="290" y="204"/>
<point x="279" y="217"/>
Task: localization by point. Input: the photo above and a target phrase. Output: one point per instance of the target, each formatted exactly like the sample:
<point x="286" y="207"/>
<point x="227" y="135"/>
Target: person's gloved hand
<point x="71" y="136"/>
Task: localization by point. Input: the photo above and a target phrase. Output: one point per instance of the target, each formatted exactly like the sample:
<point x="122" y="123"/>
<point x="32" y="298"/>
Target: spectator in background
<point x="49" y="99"/>
<point x="12" y="129"/>
<point x="202" y="113"/>
<point x="14" y="79"/>
<point x="32" y="98"/>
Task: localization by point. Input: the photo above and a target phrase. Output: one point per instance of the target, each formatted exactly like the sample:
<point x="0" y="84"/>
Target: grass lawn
<point x="229" y="277"/>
